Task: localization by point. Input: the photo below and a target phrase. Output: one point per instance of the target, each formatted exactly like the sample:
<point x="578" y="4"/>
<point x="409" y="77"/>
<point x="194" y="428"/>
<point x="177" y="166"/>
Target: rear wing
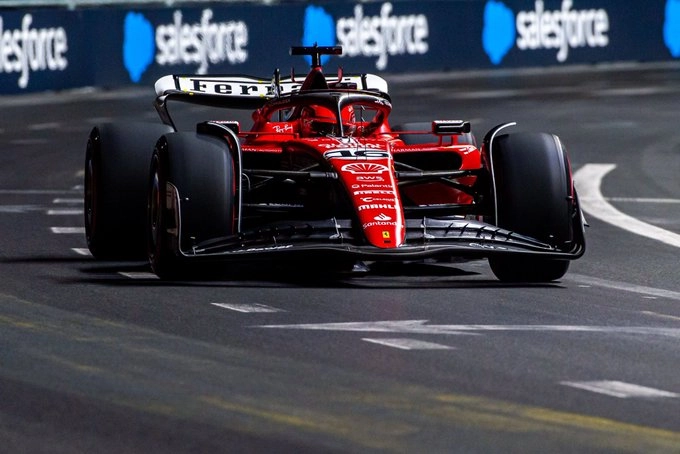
<point x="248" y="91"/>
<point x="244" y="92"/>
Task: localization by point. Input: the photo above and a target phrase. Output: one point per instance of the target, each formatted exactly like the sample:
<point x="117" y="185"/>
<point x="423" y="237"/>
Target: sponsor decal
<point x="28" y="49"/>
<point x="202" y="43"/>
<point x="671" y="27"/>
<point x="283" y="129"/>
<point x="563" y="29"/>
<point x="373" y="186"/>
<point x="373" y="191"/>
<point x="370" y="178"/>
<point x="379" y="224"/>
<point x="382" y="217"/>
<point x="221" y="86"/>
<point x="380" y="36"/>
<point x="377" y="199"/>
<point x="364" y="168"/>
<point x="262" y="249"/>
<point x="487" y="246"/>
<point x="376" y="206"/>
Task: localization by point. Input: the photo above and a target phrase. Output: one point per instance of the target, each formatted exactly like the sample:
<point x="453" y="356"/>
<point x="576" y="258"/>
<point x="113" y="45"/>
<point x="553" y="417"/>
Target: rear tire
<point x="534" y="197"/>
<point x="116" y="172"/>
<point x="200" y="169"/>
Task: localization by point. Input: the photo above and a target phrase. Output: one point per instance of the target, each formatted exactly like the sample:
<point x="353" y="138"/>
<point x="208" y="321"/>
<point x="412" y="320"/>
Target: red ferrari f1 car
<point x="322" y="177"/>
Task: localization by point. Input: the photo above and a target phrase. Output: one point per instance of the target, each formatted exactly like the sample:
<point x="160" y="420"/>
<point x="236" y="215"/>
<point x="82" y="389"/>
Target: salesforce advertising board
<point x="390" y="36"/>
<point x="38" y="50"/>
<point x="122" y="46"/>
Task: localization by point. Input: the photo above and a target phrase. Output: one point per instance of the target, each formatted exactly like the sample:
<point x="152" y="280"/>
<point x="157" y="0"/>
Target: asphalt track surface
<point x="102" y="357"/>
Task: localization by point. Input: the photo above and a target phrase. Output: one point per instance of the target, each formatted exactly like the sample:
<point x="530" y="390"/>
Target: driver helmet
<point x="321" y="121"/>
<point x="318" y="121"/>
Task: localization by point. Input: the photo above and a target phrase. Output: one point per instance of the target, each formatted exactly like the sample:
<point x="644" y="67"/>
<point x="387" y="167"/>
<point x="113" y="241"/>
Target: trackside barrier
<point x="52" y="49"/>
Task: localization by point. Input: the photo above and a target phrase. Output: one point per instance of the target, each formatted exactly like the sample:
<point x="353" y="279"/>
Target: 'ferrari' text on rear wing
<point x="249" y="87"/>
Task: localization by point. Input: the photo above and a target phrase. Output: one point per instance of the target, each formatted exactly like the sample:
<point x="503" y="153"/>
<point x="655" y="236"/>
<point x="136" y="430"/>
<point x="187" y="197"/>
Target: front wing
<point x="425" y="238"/>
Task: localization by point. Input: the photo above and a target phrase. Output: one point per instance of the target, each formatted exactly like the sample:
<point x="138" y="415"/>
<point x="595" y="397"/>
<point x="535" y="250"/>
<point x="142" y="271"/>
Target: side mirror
<point x="450" y="127"/>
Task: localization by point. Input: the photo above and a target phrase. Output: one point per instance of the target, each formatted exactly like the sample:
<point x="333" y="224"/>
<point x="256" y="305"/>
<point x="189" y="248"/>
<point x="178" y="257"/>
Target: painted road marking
<point x="619" y="389"/>
<point x="138" y="275"/>
<point x="68" y="230"/>
<point x="642" y="200"/>
<point x="81" y="251"/>
<point x="588" y="180"/>
<point x="34" y="191"/>
<point x="68" y="201"/>
<point x="420" y="327"/>
<point x="43" y="126"/>
<point x="29" y="141"/>
<point x="20" y="208"/>
<point x="248" y="308"/>
<point x="64" y="212"/>
<point x="656" y="314"/>
<point x="624" y="286"/>
<point x="408" y="344"/>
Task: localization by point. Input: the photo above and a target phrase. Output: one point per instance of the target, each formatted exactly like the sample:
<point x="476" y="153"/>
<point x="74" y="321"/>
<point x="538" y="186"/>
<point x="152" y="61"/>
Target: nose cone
<point x="372" y="187"/>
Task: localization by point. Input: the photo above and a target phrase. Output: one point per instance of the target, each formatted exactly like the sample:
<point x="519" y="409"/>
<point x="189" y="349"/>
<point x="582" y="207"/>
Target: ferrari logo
<point x="386" y="235"/>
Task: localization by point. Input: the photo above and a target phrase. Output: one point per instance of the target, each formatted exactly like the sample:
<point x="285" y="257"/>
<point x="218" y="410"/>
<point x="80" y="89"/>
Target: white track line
<point x="64" y="212"/>
<point x="588" y="180"/>
<point x="138" y="275"/>
<point x="68" y="230"/>
<point x="619" y="389"/>
<point x="35" y="191"/>
<point x="422" y="327"/>
<point x="248" y="308"/>
<point x="408" y="344"/>
<point x="623" y="286"/>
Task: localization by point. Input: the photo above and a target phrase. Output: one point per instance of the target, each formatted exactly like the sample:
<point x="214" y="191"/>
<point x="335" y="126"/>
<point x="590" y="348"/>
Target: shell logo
<point x="364" y="168"/>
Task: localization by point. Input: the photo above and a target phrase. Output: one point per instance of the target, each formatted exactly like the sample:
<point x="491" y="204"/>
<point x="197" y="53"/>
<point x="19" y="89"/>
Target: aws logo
<point x="671" y="27"/>
<point x="202" y="43"/>
<point x="360" y="35"/>
<point x="563" y="29"/>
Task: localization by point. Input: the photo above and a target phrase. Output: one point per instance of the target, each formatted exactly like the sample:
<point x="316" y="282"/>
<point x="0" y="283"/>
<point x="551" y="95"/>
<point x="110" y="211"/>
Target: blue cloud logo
<point x="139" y="45"/>
<point x="319" y="28"/>
<point x="498" y="36"/>
<point x="671" y="27"/>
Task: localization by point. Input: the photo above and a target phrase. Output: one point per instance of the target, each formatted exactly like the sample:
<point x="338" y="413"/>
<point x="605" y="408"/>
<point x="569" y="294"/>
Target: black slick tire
<point x="191" y="199"/>
<point x="534" y="197"/>
<point x="116" y="171"/>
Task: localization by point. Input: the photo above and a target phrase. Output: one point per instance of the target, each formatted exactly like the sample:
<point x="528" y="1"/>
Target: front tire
<point x="535" y="197"/>
<point x="191" y="199"/>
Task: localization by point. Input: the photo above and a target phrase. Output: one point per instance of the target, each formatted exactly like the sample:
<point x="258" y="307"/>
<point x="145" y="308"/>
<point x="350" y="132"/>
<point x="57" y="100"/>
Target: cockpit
<point x="324" y="114"/>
